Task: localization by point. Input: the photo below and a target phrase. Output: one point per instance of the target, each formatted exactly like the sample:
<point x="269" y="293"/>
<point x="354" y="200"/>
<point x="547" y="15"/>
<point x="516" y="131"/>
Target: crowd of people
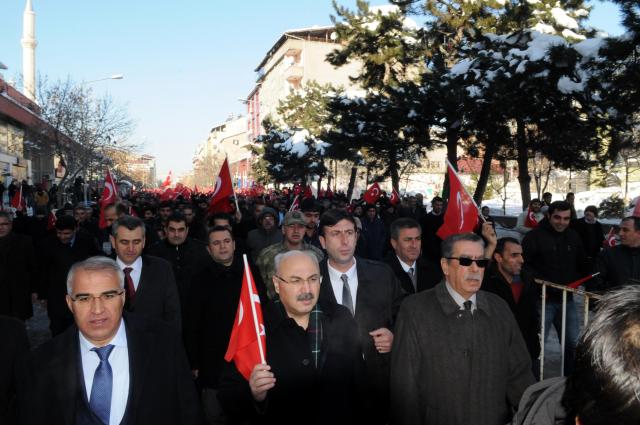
<point x="369" y="316"/>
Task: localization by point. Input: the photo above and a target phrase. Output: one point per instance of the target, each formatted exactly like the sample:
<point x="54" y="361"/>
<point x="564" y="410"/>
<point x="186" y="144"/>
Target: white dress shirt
<point x="406" y="267"/>
<point x="337" y="284"/>
<point x="135" y="273"/>
<point x="119" y="361"/>
<point x="459" y="299"/>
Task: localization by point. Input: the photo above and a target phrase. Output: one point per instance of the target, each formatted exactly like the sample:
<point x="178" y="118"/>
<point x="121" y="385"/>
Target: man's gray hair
<point x="284" y="255"/>
<point x="95" y="264"/>
<point x="449" y="243"/>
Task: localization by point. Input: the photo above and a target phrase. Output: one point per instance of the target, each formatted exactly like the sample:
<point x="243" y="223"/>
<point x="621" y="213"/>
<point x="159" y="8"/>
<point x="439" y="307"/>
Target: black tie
<point x="467" y="305"/>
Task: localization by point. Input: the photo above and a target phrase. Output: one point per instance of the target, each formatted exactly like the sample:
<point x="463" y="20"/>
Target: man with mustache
<point x="293" y="231"/>
<point x="314" y="361"/>
<point x="458" y="355"/>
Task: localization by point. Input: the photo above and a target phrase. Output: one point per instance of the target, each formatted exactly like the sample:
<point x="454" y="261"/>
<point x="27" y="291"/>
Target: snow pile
<point x="299" y="143"/>
<point x="386" y="10"/>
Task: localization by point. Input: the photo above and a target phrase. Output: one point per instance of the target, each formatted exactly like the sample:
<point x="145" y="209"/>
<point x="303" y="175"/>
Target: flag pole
<point x="455" y="173"/>
<point x="235" y="197"/>
<point x="253" y="307"/>
<point x="293" y="203"/>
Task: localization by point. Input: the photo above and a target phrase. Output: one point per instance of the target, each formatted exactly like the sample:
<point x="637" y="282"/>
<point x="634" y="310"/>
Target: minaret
<point x="29" y="44"/>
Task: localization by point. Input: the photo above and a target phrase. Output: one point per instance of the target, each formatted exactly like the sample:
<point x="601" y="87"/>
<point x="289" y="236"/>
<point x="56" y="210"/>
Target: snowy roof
<point x="314" y="31"/>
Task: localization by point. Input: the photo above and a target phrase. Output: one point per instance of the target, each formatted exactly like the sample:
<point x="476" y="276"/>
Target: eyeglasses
<point x="297" y="281"/>
<point x="465" y="261"/>
<point x="105" y="297"/>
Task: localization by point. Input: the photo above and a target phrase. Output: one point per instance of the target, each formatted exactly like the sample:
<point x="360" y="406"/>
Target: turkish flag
<point x="610" y="240"/>
<point x="168" y="195"/>
<point x="51" y="221"/>
<point x="295" y="205"/>
<point x="580" y="281"/>
<point x="395" y="198"/>
<point x="109" y="196"/>
<point x="462" y="214"/>
<point x="196" y="190"/>
<point x="372" y="194"/>
<point x="530" y="221"/>
<point x="328" y="193"/>
<point x="220" y="199"/>
<point x="307" y="192"/>
<point x="167" y="181"/>
<point x="18" y="202"/>
<point x="248" y="341"/>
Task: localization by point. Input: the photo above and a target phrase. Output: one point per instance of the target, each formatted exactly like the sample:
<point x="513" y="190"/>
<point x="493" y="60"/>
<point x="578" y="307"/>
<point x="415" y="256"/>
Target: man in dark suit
<point x="430" y="224"/>
<point x="372" y="293"/>
<point x="60" y="252"/>
<point x="15" y="345"/>
<point x="17" y="271"/>
<point x="185" y="254"/>
<point x="507" y="279"/>
<point x="107" y="369"/>
<point x="149" y="282"/>
<point x="414" y="272"/>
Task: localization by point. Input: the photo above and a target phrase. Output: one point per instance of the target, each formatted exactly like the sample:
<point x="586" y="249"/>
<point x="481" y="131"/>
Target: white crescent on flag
<point x="240" y="313"/>
<point x="216" y="189"/>
<point x="109" y="187"/>
<point x="461" y="210"/>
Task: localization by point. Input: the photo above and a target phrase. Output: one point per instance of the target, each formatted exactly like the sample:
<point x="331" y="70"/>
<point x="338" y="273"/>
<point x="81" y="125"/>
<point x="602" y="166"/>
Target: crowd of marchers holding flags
<point x="181" y="306"/>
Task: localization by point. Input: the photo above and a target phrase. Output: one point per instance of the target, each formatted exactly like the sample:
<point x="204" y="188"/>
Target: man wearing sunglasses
<point x="458" y="356"/>
<point x="106" y="368"/>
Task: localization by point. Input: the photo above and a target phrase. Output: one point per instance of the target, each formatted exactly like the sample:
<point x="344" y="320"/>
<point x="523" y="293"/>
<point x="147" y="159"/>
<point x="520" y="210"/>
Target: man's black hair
<point x="502" y="242"/>
<point x="66" y="222"/>
<point x="177" y="217"/>
<point x="636" y="222"/>
<point x="219" y="229"/>
<point x="559" y="206"/>
<point x="332" y="217"/>
<point x="403" y="223"/>
<point x="129" y="222"/>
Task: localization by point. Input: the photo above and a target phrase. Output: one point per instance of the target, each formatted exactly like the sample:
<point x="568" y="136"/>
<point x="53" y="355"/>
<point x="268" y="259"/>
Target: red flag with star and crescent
<point x="462" y="213"/>
<point x="223" y="190"/>
<point x="395" y="198"/>
<point x="372" y="194"/>
<point x="610" y="240"/>
<point x="109" y="196"/>
<point x="167" y="180"/>
<point x="248" y="342"/>
<point x="18" y="202"/>
<point x="531" y="221"/>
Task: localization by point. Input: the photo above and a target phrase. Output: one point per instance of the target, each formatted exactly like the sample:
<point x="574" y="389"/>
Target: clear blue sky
<point x="185" y="63"/>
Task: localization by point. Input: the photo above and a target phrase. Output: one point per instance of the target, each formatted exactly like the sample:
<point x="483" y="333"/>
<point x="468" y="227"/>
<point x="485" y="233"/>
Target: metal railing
<point x="565" y="289"/>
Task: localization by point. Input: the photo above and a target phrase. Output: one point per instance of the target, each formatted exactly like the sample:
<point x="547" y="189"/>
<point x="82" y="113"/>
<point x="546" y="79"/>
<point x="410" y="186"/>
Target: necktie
<point x="347" y="301"/>
<point x="131" y="290"/>
<point x="412" y="275"/>
<point x="467" y="305"/>
<point x="100" y="401"/>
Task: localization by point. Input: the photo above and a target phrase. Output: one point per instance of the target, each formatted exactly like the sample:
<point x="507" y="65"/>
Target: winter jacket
<point x="556" y="257"/>
<point x="616" y="266"/>
<point x="541" y="404"/>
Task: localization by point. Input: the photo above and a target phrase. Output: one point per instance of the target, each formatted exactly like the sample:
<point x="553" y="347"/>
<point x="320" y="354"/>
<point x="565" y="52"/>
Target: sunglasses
<point x="464" y="261"/>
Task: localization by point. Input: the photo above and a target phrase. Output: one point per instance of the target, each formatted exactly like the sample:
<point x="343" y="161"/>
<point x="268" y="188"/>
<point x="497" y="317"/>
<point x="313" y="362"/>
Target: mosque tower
<point x="29" y="44"/>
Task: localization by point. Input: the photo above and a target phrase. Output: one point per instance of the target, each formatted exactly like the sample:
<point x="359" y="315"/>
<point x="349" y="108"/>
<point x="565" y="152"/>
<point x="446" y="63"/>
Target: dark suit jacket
<point x="157" y="293"/>
<point x="161" y="390"/>
<point x="429" y="274"/>
<point x="377" y="303"/>
<point x="525" y="310"/>
<point x="18" y="276"/>
<point x="14" y="345"/>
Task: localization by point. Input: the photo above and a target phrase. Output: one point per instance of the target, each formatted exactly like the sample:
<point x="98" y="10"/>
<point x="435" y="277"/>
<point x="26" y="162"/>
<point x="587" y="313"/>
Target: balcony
<point x="294" y="73"/>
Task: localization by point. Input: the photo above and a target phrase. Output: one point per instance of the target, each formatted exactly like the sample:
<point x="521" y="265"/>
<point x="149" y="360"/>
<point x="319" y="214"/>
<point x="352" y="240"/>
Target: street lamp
<point x="113" y="77"/>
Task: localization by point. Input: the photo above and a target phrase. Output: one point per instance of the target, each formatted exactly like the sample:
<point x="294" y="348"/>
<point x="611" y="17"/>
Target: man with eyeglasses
<point x="458" y="355"/>
<point x="107" y="368"/>
<point x="211" y="310"/>
<point x="370" y="291"/>
<point x="314" y="363"/>
<point x="293" y="231"/>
